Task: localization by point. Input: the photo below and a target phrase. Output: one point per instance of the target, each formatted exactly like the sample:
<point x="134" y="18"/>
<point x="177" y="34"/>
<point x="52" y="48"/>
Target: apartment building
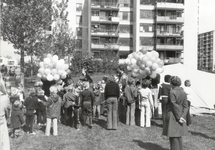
<point x="206" y="52"/>
<point x="124" y="26"/>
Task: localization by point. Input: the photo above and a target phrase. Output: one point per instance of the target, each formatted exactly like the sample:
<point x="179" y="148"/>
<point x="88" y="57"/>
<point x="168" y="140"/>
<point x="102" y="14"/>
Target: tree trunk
<point x="22" y="75"/>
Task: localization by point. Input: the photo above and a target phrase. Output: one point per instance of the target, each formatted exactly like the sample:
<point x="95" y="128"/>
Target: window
<point x="78" y="19"/>
<point x="11" y="62"/>
<point x="78" y="7"/>
<point x="79" y="44"/>
<point x="79" y="31"/>
<point x="126" y="16"/>
<point x="146" y="27"/>
<point x="147" y="2"/>
<point x="146" y="41"/>
<point x="95" y="12"/>
<point x="146" y="14"/>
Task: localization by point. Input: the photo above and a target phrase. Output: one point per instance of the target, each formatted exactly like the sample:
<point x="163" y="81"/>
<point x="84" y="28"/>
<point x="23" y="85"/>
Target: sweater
<point x="112" y="90"/>
<point x="31" y="103"/>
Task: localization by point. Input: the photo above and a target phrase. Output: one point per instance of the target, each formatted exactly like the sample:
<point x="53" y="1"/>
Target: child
<point x="87" y="98"/>
<point x="163" y="94"/>
<point x="53" y="110"/>
<point x="97" y="102"/>
<point x="68" y="104"/>
<point x="146" y="104"/>
<point x="17" y="120"/>
<point x="41" y="110"/>
<point x="31" y="104"/>
<point x="77" y="109"/>
<point x="130" y="94"/>
<point x="188" y="91"/>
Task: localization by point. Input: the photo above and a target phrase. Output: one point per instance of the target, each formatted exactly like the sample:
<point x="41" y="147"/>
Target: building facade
<point x="124" y="26"/>
<point x="206" y="52"/>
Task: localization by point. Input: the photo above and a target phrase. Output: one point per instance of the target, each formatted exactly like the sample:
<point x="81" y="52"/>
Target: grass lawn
<point x="202" y="137"/>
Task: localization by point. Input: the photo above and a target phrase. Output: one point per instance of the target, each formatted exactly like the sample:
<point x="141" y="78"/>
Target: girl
<point x="146" y="104"/>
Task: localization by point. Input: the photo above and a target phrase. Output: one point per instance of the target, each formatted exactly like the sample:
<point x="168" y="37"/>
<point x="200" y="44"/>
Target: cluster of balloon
<point x="53" y="68"/>
<point x="144" y="63"/>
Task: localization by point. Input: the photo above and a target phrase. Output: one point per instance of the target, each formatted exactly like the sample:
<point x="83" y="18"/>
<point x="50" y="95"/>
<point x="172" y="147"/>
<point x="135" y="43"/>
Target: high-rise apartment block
<point x="125" y="26"/>
<point x="206" y="52"/>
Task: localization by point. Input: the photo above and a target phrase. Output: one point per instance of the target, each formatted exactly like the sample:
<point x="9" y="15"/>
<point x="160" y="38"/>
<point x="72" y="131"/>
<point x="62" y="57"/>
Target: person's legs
<point x="142" y="116"/>
<point x="31" y="123"/>
<point x="48" y="126"/>
<point x="39" y="116"/>
<point x="128" y="112"/>
<point x="132" y="112"/>
<point x="174" y="143"/>
<point x="98" y="110"/>
<point x="155" y="100"/>
<point x="115" y="109"/>
<point x="27" y="123"/>
<point x="180" y="143"/>
<point x="55" y="127"/>
<point x="94" y="111"/>
<point x="148" y="114"/>
<point x="109" y="114"/>
<point x="43" y="116"/>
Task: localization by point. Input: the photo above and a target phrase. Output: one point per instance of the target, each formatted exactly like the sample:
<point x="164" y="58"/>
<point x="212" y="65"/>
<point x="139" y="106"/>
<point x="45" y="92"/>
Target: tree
<point x="23" y="22"/>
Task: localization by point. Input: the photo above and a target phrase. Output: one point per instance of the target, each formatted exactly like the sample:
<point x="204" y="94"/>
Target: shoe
<point x="77" y="129"/>
<point x="27" y="132"/>
<point x="33" y="133"/>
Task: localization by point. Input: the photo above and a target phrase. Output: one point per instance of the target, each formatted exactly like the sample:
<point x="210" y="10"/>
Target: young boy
<point x="68" y="104"/>
<point x="53" y="105"/>
<point x="31" y="104"/>
<point x="188" y="91"/>
<point x="97" y="102"/>
<point x="87" y="98"/>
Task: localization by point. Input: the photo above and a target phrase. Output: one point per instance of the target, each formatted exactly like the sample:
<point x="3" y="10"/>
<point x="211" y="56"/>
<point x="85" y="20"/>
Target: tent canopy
<point x="202" y="85"/>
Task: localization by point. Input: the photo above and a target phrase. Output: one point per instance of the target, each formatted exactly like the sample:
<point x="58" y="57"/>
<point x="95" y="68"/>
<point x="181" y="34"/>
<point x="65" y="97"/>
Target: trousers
<point x="112" y="106"/>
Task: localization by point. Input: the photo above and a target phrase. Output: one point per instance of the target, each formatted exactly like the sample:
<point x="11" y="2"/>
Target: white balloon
<point x="49" y="56"/>
<point x="47" y="60"/>
<point x="41" y="70"/>
<point x="39" y="75"/>
<point x="60" y="72"/>
<point x="56" y="77"/>
<point x="41" y="64"/>
<point x="50" y="77"/>
<point x="55" y="58"/>
<point x="130" y="56"/>
<point x="47" y="71"/>
<point x="133" y="61"/>
<point x="54" y="71"/>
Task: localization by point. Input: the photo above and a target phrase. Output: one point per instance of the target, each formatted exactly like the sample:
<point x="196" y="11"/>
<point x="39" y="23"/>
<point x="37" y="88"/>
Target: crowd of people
<point x="117" y="97"/>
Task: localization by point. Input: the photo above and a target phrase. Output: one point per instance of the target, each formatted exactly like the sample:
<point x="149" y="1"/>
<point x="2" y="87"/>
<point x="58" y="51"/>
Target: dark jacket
<point x="69" y="99"/>
<point x="112" y="90"/>
<point x="53" y="106"/>
<point x="177" y="107"/>
<point x="16" y="118"/>
<point x="40" y="105"/>
<point x="31" y="102"/>
<point x="87" y="96"/>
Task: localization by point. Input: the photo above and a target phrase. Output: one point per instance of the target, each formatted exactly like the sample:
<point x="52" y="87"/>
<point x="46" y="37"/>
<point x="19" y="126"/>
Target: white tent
<point x="202" y="85"/>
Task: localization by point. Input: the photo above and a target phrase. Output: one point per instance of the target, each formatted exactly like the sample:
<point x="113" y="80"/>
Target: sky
<point x="206" y="23"/>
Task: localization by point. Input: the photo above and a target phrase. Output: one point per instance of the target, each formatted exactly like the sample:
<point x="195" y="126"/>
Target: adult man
<point x="112" y="93"/>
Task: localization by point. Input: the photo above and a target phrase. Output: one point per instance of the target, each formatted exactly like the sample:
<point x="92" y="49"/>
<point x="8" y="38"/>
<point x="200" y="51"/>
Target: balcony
<point x="172" y="60"/>
<point x="104" y="32"/>
<point x="104" y="46"/>
<point x="106" y="19"/>
<point x="170" y="19"/>
<point x="125" y="48"/>
<point x="95" y="18"/>
<point x="146" y="34"/>
<point x="125" y="35"/>
<point x="104" y="5"/>
<point x="168" y="34"/>
<point x="169" y="47"/>
<point x="170" y="6"/>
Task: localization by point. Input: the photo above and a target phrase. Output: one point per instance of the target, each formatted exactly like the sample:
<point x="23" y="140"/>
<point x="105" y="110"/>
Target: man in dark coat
<point x="177" y="108"/>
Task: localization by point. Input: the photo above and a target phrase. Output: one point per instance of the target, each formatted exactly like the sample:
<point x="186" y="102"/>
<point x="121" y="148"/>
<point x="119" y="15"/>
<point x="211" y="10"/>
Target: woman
<point x="177" y="107"/>
<point x="4" y="107"/>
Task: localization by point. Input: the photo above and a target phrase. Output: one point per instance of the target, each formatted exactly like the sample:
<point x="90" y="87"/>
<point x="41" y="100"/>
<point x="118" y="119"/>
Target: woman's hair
<point x="167" y="78"/>
<point x="187" y="83"/>
<point x="111" y="78"/>
<point x="175" y="81"/>
<point x="130" y="81"/>
<point x="145" y="83"/>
